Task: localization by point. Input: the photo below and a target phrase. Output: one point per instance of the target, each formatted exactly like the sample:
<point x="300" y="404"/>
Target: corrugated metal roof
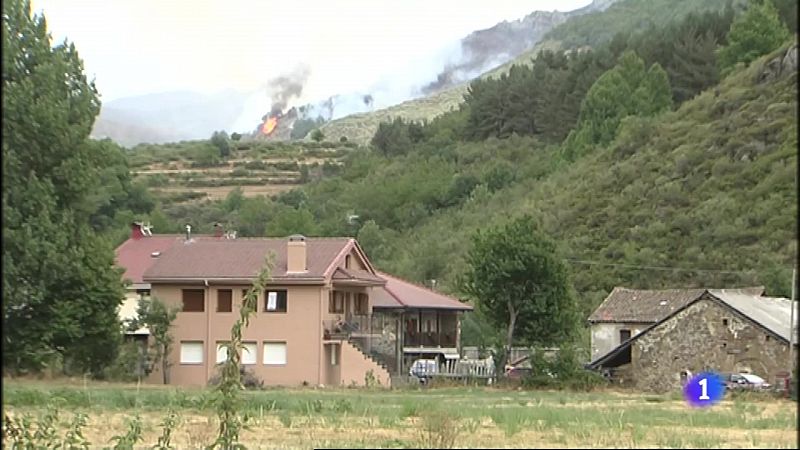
<point x="773" y="313"/>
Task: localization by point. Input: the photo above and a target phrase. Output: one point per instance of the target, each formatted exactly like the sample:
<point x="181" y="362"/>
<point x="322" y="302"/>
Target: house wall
<point x="331" y="373"/>
<point x="300" y="327"/>
<point x="357" y="365"/>
<point x="605" y="336"/>
<point x="697" y="339"/>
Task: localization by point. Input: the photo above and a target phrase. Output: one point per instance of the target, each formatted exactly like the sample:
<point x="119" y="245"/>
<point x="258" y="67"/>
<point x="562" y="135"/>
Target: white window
<point x="249" y="351"/>
<point x="222" y="352"/>
<point x="274" y="353"/>
<point x="272" y="301"/>
<point x="191" y="353"/>
<point x="333" y="354"/>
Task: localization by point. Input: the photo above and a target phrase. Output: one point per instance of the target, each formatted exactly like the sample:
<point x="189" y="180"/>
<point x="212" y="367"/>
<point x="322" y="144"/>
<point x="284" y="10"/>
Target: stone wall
<point x="705" y="336"/>
<point x="605" y="336"/>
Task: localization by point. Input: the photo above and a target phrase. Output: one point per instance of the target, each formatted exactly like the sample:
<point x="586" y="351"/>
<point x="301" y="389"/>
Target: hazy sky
<point x="134" y="47"/>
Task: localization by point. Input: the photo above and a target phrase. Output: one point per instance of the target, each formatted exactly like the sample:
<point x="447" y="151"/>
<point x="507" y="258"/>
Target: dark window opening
<point x="224" y="300"/>
<point x="766" y="338"/>
<point x="624" y="335"/>
<point x="725" y="322"/>
<point x="193" y="300"/>
<point x="362" y="304"/>
<point x="336" y="303"/>
<point x="275" y="301"/>
<point x="347" y="262"/>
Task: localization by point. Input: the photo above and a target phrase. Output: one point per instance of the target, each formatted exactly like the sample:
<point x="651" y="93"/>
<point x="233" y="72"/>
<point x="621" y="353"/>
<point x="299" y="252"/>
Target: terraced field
<point x="178" y="173"/>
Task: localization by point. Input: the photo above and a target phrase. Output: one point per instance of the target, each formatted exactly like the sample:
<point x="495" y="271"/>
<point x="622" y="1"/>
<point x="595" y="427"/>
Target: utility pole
<point x="791" y="326"/>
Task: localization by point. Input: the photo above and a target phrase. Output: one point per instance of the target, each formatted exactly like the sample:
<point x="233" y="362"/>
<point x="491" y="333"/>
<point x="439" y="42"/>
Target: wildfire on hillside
<point x="269" y="125"/>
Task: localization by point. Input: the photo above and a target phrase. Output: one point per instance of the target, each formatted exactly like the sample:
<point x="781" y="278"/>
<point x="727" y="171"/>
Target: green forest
<point x="662" y="155"/>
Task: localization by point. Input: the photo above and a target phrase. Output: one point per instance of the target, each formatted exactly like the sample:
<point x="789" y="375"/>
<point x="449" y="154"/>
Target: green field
<point x="414" y="417"/>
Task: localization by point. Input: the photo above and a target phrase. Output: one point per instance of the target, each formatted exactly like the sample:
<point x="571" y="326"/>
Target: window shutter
<point x="222" y="352"/>
<point x="274" y="353"/>
<point x="191" y="352"/>
<point x="249" y="350"/>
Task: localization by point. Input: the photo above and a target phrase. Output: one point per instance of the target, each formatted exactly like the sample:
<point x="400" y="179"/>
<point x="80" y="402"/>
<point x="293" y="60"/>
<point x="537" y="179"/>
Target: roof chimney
<point x="136" y="230"/>
<point x="188" y="232"/>
<point x="296" y="254"/>
<point x="218" y="232"/>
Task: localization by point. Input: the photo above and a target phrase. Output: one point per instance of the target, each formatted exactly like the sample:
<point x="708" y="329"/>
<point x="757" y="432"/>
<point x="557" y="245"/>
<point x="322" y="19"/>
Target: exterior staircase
<point x="387" y="363"/>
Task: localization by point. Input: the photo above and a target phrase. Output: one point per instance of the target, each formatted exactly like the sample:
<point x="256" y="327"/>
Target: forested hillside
<point x="651" y="160"/>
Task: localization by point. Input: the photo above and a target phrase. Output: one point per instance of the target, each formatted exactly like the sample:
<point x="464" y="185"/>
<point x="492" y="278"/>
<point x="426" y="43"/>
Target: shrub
<point x="249" y="379"/>
<point x="438" y="429"/>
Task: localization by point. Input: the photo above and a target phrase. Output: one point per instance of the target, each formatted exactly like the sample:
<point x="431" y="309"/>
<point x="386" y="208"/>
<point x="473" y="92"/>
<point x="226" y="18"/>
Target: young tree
<point x="756" y="32"/>
<point x="157" y="317"/>
<point x="520" y="283"/>
<point x="317" y="135"/>
<point x="222" y="142"/>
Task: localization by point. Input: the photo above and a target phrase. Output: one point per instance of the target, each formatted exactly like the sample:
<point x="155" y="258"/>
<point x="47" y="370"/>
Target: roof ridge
<point x="418" y="285"/>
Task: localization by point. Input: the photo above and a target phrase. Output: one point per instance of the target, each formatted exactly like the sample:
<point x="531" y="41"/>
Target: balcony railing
<point x="343" y="329"/>
<point x="429" y="339"/>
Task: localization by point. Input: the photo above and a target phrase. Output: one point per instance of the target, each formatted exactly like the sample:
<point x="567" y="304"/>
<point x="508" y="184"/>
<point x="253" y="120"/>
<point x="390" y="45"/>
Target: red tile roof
<point x="404" y="294"/>
<point x="135" y="255"/>
<point x="341" y="274"/>
<point x="243" y="258"/>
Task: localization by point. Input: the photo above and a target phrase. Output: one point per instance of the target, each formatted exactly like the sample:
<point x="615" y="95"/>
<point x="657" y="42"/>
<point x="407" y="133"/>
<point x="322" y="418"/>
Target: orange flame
<point x="269" y="125"/>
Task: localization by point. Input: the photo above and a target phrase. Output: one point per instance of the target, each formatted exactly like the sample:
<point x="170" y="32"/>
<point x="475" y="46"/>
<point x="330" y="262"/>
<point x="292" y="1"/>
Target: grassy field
<point x="416" y="417"/>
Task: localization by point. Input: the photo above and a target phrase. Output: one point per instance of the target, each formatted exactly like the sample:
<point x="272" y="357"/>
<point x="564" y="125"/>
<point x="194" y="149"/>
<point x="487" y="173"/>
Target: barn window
<point x="624" y="335"/>
<point x="766" y="338"/>
<point x="725" y="322"/>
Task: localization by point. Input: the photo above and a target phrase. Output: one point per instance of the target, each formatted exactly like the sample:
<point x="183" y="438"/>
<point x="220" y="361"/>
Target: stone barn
<point x="728" y="330"/>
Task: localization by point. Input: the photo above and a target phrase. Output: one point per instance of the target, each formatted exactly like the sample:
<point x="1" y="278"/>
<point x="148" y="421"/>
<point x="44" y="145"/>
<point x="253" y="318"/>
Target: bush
<point x="255" y="165"/>
<point x="562" y="371"/>
<point x="249" y="379"/>
<point x="128" y="364"/>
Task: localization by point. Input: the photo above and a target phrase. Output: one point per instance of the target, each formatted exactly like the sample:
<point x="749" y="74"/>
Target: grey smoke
<point x="286" y="87"/>
<point x="486" y="49"/>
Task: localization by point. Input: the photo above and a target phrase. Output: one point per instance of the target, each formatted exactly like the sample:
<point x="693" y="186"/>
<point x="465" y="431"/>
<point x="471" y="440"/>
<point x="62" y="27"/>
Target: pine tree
<point x="756" y="32"/>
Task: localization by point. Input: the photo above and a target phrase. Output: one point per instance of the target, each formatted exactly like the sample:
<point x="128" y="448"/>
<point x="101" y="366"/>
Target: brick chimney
<point x="136" y="230"/>
<point x="296" y="261"/>
<point x="218" y="231"/>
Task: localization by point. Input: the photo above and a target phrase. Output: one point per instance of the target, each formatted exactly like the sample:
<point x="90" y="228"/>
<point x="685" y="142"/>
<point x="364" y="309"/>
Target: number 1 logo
<point x="704" y="389"/>
<point x="704" y="394"/>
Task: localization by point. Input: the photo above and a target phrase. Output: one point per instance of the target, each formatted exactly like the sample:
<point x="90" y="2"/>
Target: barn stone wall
<point x="705" y="336"/>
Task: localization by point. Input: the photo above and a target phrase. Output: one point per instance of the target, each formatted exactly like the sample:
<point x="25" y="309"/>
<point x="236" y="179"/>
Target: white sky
<point x="134" y="47"/>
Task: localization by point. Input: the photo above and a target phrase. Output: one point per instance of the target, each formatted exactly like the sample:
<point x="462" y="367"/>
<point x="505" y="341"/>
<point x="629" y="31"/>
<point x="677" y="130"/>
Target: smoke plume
<point x="286" y="87"/>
